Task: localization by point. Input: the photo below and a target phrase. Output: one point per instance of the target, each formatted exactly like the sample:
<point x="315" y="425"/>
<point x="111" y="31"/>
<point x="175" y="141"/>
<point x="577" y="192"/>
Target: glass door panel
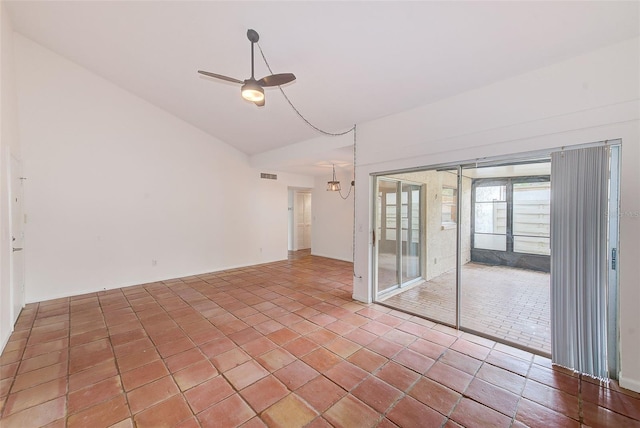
<point x="472" y="250"/>
<point x="427" y="212"/>
<point x="437" y="295"/>
<point x="411" y="238"/>
<point x="504" y="289"/>
<point x="386" y="235"/>
<point x="442" y="246"/>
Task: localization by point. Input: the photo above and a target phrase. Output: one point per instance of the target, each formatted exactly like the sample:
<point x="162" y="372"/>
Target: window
<point x="390" y="215"/>
<point x="449" y="207"/>
<point x="511" y="221"/>
<point x="532" y="218"/>
<point x="490" y="219"/>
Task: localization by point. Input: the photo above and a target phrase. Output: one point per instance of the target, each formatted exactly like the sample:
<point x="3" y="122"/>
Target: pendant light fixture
<point x="333" y="185"/>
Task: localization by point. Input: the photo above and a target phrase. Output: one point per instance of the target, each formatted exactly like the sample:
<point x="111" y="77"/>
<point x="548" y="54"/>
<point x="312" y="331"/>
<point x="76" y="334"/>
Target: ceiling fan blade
<point x="277" y="79"/>
<point x="220" y="76"/>
<point x="259" y="103"/>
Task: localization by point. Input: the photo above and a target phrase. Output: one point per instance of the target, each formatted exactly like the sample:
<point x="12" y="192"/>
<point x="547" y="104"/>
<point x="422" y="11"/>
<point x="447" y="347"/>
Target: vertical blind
<point x="579" y="199"/>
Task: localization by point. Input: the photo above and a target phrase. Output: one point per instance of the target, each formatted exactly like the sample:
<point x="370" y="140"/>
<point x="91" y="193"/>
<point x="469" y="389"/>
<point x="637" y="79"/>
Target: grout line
<point x="580" y="401"/>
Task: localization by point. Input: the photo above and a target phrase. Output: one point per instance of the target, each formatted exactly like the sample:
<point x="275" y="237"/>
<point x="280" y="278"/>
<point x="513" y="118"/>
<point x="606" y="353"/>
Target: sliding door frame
<point x="398" y="232"/>
<point x="613" y="352"/>
<point x="512" y="159"/>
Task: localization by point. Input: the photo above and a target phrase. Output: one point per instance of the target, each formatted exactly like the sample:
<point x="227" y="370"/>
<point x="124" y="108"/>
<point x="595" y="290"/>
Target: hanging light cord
<point x="345" y="197"/>
<point x="322" y="131"/>
<point x="331" y="134"/>
<point x="353" y="244"/>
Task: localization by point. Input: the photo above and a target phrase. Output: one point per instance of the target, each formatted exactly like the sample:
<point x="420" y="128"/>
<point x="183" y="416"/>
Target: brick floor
<point x="506" y="303"/>
<point x="280" y="344"/>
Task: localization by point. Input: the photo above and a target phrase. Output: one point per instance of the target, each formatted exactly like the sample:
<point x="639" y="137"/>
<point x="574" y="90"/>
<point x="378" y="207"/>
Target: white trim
<point x="6" y="340"/>
<point x="498" y="160"/>
<point x="330" y="257"/>
<point x="631" y="384"/>
<point x="16" y="290"/>
<point x="363" y="299"/>
<point x="126" y="285"/>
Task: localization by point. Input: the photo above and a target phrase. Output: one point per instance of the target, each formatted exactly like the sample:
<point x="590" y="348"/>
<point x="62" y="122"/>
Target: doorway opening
<point x="299" y="219"/>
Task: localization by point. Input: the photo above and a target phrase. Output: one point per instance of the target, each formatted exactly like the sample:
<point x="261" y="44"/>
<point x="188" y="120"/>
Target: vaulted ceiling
<point x="354" y="61"/>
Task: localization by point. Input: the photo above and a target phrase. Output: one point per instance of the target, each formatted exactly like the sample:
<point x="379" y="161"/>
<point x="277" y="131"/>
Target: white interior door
<point x="303" y="220"/>
<point x="17" y="238"/>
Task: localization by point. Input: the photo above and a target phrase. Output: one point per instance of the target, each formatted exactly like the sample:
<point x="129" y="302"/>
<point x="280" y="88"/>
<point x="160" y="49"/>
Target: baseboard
<point x="330" y="257"/>
<point x="5" y="340"/>
<point x="144" y="281"/>
<point x="363" y="299"/>
<point x="631" y="384"/>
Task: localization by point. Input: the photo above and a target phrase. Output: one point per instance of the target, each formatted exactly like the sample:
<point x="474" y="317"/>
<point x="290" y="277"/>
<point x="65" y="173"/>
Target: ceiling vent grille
<point x="268" y="176"/>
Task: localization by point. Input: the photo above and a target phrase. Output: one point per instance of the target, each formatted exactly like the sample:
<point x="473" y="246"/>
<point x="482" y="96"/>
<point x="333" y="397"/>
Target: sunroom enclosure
<point x="502" y="241"/>
<point x="470" y="246"/>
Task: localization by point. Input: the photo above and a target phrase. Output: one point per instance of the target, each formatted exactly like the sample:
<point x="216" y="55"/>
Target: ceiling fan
<point x="252" y="89"/>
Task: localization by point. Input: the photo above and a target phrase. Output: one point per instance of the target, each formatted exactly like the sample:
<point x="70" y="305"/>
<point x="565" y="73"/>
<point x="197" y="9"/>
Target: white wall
<point x="290" y="209"/>
<point x="115" y="183"/>
<point x="332" y="230"/>
<point x="9" y="145"/>
<point x="590" y="98"/>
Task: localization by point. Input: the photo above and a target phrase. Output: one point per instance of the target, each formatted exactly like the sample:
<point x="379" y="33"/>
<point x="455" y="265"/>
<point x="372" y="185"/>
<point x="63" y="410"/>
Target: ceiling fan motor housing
<point x="253" y="36"/>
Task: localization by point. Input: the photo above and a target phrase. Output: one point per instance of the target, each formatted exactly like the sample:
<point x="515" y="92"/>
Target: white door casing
<point x="17" y="240"/>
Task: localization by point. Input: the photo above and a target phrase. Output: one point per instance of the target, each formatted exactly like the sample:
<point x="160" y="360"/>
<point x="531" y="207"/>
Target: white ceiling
<point x="354" y="61"/>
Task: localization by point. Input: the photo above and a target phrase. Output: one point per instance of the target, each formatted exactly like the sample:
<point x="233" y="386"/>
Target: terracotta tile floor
<point x="282" y="345"/>
<point x="509" y="304"/>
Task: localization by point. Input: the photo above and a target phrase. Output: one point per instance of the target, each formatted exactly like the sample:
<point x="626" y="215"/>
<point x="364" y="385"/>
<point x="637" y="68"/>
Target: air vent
<point x="268" y="176"/>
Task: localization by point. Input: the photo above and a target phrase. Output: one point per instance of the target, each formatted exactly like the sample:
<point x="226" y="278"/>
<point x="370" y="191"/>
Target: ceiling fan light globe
<point x="252" y="95"/>
<point x="251" y="91"/>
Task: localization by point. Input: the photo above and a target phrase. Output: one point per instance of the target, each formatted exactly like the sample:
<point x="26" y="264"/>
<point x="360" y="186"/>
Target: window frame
<point x="508" y="257"/>
<point x="449" y="224"/>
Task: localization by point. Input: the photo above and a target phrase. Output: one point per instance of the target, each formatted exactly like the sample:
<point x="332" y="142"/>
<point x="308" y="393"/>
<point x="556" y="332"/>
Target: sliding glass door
<point x="504" y="286"/>
<point x="410" y="232"/>
<point x="469" y="246"/>
<point x="387" y="235"/>
<point x="398" y="234"/>
<point x="471" y="250"/>
<point x="416" y="217"/>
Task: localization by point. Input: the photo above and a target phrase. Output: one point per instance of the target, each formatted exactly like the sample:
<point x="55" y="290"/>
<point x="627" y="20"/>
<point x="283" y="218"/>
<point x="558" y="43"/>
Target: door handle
<point x="14" y="249"/>
<point x="614" y="258"/>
